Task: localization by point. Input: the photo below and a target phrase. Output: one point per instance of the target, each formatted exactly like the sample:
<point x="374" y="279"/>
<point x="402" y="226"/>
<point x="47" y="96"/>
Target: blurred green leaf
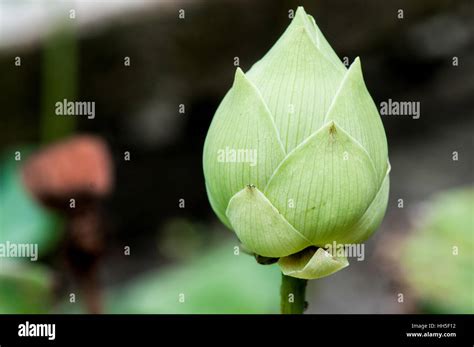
<point x="22" y="219"/>
<point x="24" y="288"/>
<point x="437" y="260"/>
<point x="216" y="282"/>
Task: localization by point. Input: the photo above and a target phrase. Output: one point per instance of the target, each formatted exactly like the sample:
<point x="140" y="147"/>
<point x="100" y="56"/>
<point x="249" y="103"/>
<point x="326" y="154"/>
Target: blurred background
<point x="141" y="237"/>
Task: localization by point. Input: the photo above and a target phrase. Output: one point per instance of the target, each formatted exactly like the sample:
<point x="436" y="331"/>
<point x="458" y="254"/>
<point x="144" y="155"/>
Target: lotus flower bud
<point x="296" y="155"/>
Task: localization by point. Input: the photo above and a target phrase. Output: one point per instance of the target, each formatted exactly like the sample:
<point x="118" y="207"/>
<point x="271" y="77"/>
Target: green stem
<point x="292" y="295"/>
<point x="59" y="82"/>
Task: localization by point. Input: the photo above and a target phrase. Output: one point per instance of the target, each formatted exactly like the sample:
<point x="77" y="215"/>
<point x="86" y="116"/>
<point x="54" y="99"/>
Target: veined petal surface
<point x="355" y="111"/>
<point x="372" y="218"/>
<point x="297" y="81"/>
<point x="260" y="226"/>
<point x="324" y="185"/>
<point x="242" y="146"/>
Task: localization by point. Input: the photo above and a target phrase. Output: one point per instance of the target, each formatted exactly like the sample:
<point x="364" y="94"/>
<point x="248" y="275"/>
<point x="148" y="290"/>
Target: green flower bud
<point x="296" y="155"/>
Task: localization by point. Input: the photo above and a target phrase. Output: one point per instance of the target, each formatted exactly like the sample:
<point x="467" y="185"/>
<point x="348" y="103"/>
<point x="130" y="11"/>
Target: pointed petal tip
<point x="304" y="16"/>
<point x="300" y="11"/>
<point x="241" y="81"/>
<point x="250" y="188"/>
<point x="302" y="22"/>
<point x="356" y="66"/>
<point x="356" y="69"/>
<point x="332" y="128"/>
<point x="239" y="75"/>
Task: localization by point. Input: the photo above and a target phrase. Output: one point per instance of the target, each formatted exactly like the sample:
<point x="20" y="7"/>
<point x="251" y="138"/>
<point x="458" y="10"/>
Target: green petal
<point x="241" y="123"/>
<point x="355" y="111"/>
<point x="297" y="82"/>
<point x="220" y="212"/>
<point x="323" y="44"/>
<point x="324" y="186"/>
<point x="372" y="218"/>
<point x="260" y="226"/>
<point x="311" y="264"/>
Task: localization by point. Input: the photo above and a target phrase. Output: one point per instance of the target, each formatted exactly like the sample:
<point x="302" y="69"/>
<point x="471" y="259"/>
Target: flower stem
<point x="292" y="295"/>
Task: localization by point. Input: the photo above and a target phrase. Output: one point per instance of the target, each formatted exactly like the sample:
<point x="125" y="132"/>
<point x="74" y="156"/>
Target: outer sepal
<point x="260" y="226"/>
<point x="311" y="264"/>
